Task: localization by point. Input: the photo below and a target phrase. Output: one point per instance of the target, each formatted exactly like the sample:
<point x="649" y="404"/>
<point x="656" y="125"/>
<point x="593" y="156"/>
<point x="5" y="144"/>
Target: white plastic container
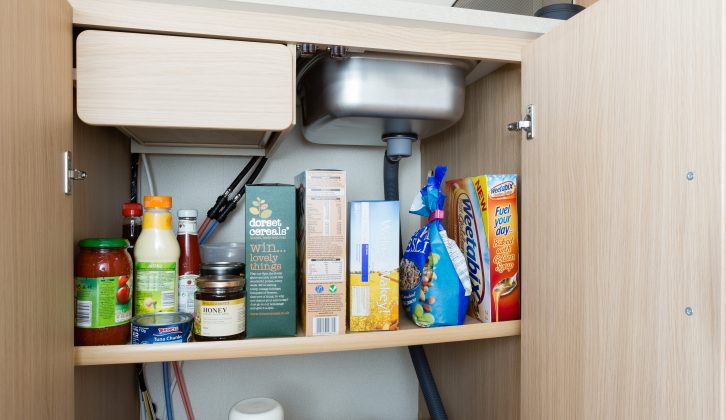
<point x="257" y="409"/>
<point x="157" y="258"/>
<point x="223" y="252"/>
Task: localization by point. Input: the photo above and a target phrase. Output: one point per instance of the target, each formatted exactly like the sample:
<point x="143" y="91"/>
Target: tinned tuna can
<point x="162" y="327"/>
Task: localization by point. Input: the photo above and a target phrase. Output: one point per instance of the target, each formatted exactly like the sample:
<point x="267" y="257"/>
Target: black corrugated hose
<point x="418" y="357"/>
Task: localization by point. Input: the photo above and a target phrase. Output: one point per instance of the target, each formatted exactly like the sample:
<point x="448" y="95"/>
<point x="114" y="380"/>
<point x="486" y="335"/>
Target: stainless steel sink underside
<point x="357" y="99"/>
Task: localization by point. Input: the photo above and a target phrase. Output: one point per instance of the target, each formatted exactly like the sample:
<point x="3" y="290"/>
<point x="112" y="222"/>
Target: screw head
<point x="689" y="311"/>
<point x="689" y="176"/>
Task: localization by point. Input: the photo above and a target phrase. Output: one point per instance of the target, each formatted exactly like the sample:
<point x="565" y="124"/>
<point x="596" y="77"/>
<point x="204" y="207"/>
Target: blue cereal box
<point x="373" y="269"/>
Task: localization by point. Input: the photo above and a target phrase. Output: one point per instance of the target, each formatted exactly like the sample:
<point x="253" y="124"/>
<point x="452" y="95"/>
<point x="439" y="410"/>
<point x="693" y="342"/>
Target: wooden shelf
<point x="409" y="334"/>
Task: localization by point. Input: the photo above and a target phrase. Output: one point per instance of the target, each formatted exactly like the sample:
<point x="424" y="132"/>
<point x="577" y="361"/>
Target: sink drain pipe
<point x="418" y="356"/>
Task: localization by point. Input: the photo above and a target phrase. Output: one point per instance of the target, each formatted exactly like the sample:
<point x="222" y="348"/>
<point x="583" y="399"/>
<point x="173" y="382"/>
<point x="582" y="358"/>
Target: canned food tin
<point x="163" y="327"/>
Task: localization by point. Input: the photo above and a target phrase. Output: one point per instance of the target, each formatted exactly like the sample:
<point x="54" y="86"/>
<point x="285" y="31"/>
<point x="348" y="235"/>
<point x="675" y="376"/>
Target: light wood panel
<point x="143" y="80"/>
<point x="157" y="137"/>
<point x="480" y="379"/>
<point x="484" y="35"/>
<point x="616" y="238"/>
<point x="480" y="143"/>
<point x="36" y="105"/>
<point x="104" y="153"/>
<point x="476" y="379"/>
<point x="108" y="392"/>
<point x="409" y="334"/>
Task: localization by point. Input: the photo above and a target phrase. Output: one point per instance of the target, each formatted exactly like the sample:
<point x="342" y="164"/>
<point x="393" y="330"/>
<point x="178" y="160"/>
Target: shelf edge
<point x="286" y="346"/>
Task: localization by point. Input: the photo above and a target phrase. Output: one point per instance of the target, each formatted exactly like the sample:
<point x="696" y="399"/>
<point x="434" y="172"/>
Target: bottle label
<point x="187" y="288"/>
<point x="219" y="318"/>
<point x="103" y="301"/>
<point x="187" y="227"/>
<point x="156" y="221"/>
<point x="156" y="287"/>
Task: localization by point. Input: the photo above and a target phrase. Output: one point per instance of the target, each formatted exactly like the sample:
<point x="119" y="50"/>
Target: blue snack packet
<point x="434" y="279"/>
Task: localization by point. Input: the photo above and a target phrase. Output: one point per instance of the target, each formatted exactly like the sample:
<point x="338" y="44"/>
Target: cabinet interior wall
<point x="479" y="379"/>
<point x="104" y="153"/>
<point x="476" y="378"/>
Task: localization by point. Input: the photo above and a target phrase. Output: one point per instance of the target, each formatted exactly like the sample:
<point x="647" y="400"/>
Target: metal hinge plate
<point x="69" y="173"/>
<point x="526" y="124"/>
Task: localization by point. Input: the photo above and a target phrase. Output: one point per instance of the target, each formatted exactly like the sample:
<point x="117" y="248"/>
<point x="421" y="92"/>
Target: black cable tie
<point x="232" y="204"/>
<point x="215" y="211"/>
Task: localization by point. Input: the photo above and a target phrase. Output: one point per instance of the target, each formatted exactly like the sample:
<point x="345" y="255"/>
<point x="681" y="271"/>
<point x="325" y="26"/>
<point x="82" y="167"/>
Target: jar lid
<point x="222" y="269"/>
<point x="220" y="282"/>
<point x="157" y="202"/>
<point x="187" y="213"/>
<point x="104" y="243"/>
<point x="162" y="319"/>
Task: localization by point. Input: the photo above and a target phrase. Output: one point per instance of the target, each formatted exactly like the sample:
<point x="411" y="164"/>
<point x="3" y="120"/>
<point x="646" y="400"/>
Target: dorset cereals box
<point x="270" y="260"/>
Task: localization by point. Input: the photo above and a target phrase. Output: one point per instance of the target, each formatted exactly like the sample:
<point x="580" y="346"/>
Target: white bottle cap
<point x="257" y="409"/>
<point x="187" y="213"/>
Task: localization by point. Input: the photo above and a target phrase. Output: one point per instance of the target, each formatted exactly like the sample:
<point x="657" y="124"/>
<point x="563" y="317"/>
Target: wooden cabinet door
<point x="36" y="246"/>
<point x="622" y="224"/>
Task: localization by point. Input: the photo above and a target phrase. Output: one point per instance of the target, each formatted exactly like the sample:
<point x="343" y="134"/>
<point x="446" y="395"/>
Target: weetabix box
<point x="373" y="256"/>
<point x="270" y="260"/>
<point x="483" y="220"/>
<point x="322" y="226"/>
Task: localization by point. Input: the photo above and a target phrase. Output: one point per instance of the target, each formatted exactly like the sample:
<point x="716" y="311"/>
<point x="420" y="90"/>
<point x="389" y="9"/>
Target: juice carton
<point x="322" y="209"/>
<point x="270" y="260"/>
<point x="373" y="256"/>
<point x="483" y="220"/>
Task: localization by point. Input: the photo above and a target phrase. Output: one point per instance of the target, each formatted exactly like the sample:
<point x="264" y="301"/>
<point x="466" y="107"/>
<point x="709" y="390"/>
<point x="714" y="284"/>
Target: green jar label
<point x="103" y="301"/>
<point x="156" y="287"/>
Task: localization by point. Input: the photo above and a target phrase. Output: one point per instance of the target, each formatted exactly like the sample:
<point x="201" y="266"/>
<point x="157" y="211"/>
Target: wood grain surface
<point x="36" y="249"/>
<point x="502" y="40"/>
<point x="108" y="392"/>
<point x="409" y="334"/>
<point x="617" y="241"/>
<point x="143" y="80"/>
<point x="104" y="153"/>
<point x="480" y="379"/>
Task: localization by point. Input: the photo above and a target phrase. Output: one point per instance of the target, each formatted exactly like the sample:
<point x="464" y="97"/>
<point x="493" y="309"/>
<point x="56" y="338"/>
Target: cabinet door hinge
<point x="526" y="124"/>
<point x="70" y="173"/>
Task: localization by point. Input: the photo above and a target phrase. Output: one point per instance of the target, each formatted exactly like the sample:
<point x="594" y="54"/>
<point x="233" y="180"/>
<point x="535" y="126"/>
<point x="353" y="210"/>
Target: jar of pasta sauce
<point x="219" y="308"/>
<point x="103" y="292"/>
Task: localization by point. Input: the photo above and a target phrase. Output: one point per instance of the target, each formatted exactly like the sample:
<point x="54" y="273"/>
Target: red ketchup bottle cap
<point x="132" y="209"/>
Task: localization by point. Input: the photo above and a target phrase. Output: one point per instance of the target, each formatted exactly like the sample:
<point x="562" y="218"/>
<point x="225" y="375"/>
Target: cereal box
<point x="270" y="260"/>
<point x="483" y="220"/>
<point x="373" y="275"/>
<point x="322" y="210"/>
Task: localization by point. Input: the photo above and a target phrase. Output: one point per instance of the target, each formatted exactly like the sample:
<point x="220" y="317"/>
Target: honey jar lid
<point x="223" y="269"/>
<point x="220" y="282"/>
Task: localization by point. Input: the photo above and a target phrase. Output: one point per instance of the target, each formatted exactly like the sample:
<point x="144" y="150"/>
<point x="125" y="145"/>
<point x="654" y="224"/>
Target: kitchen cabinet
<point x="178" y="91"/>
<point x="621" y="196"/>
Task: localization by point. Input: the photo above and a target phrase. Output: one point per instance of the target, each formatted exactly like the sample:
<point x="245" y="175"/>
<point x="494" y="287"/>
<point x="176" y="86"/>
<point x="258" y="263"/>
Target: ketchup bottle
<point x="131" y="229"/>
<point x="189" y="259"/>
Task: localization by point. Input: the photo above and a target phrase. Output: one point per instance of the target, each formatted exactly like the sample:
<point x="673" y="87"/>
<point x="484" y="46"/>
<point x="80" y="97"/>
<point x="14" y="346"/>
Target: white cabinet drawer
<point x="143" y="80"/>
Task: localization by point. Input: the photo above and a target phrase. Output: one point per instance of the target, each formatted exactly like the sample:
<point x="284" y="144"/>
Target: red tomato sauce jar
<point x="103" y="292"/>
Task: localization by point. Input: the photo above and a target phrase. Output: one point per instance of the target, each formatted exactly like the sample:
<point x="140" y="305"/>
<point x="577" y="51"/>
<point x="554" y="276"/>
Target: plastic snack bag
<point x="434" y="279"/>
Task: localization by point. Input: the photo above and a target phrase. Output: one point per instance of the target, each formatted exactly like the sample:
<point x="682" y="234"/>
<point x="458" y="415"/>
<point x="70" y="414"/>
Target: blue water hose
<point x="167" y="391"/>
<point x="209" y="232"/>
